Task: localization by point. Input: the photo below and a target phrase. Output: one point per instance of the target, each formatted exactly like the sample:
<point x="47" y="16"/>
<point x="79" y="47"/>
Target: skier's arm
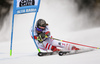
<point x="47" y="34"/>
<point x="42" y="37"/>
<point x="39" y="38"/>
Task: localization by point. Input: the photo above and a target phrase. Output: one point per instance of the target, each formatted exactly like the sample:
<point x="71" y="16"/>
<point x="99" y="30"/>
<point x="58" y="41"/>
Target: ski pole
<point x="76" y="43"/>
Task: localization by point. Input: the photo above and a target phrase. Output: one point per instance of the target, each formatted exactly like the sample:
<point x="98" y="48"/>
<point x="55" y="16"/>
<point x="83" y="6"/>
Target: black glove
<point x="41" y="37"/>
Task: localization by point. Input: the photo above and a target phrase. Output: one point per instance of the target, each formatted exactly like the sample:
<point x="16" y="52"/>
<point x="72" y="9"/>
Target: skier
<point x="44" y="39"/>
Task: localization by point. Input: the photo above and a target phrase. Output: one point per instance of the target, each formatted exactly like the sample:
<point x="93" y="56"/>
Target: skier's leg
<point x="64" y="45"/>
<point x="48" y="46"/>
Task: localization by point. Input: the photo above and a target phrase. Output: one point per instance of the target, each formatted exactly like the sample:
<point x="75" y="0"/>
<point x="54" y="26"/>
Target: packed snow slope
<point x="61" y="22"/>
<point x="25" y="52"/>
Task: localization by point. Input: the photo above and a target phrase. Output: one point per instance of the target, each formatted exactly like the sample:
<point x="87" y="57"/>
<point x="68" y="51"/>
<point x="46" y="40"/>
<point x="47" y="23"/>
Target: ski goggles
<point x="39" y="29"/>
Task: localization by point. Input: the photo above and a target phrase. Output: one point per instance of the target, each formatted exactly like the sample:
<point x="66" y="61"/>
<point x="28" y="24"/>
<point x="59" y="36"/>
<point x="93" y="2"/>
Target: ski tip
<point x="45" y="53"/>
<point x="40" y="54"/>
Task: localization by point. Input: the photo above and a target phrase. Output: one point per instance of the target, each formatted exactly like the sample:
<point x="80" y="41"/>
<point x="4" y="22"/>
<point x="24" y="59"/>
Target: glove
<point x="47" y="34"/>
<point x="41" y="37"/>
<point x="39" y="40"/>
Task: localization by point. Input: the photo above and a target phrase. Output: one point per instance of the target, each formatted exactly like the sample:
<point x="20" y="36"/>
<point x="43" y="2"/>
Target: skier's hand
<point x="41" y="37"/>
<point x="39" y="40"/>
<point x="47" y="34"/>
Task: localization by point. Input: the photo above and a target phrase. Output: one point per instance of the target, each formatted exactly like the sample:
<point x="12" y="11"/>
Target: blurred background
<point x="68" y="15"/>
<point x="5" y="19"/>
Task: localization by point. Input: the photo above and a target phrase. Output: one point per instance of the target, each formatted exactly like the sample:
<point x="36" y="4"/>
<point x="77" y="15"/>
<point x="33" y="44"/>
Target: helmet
<point x="41" y="24"/>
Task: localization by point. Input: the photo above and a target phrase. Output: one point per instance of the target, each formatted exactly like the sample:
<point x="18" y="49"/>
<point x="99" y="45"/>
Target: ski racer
<point x="44" y="39"/>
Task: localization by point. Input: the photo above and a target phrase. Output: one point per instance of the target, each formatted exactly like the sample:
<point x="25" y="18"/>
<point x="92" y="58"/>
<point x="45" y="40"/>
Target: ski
<point x="46" y="53"/>
<point x="64" y="52"/>
<point x="61" y="53"/>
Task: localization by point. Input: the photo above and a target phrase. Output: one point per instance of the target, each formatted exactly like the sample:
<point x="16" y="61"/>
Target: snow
<point x="24" y="49"/>
<point x="26" y="53"/>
